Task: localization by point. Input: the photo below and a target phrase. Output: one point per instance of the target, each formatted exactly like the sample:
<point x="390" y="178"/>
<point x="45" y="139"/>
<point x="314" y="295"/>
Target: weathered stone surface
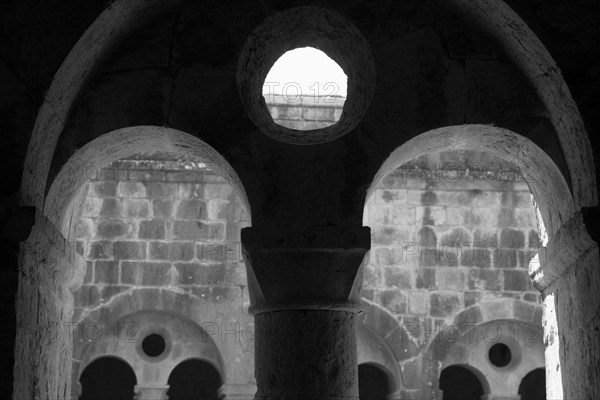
<point x="106" y="272"/>
<point x="191" y="209"/>
<point x="104" y="189"/>
<point x="510" y="84"/>
<point x="161" y="190"/>
<point x="131" y="189"/>
<point x="161" y="208"/>
<point x="285" y="350"/>
<point x="444" y="304"/>
<point x="111" y="229"/>
<point x="135" y="208"/>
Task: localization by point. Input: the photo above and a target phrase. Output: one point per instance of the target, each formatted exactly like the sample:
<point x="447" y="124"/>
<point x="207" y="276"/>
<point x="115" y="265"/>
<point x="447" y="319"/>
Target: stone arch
<point x="374" y="350"/>
<point x="185" y="340"/>
<point x="389" y="330"/>
<point x="484" y="312"/>
<point x="66" y="192"/>
<point x="476" y="373"/>
<point x="524" y="341"/>
<point x="507" y="308"/>
<point x="530" y="55"/>
<point x="466" y="340"/>
<point x="122" y="17"/>
<point x="545" y="181"/>
<point x="121" y="377"/>
<point x="175" y="304"/>
<point x="65" y="198"/>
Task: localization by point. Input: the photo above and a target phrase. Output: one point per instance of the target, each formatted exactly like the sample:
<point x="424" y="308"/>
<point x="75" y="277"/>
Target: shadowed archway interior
<point x="458" y="383"/>
<point x="194" y="380"/>
<point x="107" y="378"/>
<point x="532" y="384"/>
<point x="148" y="192"/>
<point x="373" y="383"/>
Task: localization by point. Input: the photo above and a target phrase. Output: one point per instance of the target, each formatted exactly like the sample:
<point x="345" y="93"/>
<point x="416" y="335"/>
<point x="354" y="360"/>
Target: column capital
<point x="151" y="392"/>
<point x="308" y="268"/>
<point x="47" y="250"/>
<point x="238" y="391"/>
<point x="565" y="250"/>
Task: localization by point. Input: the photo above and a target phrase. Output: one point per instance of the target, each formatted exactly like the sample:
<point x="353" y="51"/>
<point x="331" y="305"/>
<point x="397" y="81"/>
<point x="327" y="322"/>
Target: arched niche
<point x="123" y="338"/>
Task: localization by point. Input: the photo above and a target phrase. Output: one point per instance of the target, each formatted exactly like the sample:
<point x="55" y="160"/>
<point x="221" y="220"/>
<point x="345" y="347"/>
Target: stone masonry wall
<point x="161" y="228"/>
<point x="441" y="243"/>
<point x="305" y="112"/>
<point x="442" y="240"/>
<point x="160" y="231"/>
<point x="449" y="231"/>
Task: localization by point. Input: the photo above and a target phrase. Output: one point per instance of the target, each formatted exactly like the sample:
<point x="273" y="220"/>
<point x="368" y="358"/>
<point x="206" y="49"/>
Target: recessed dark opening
<point x="107" y="378"/>
<point x="372" y="383"/>
<point x="153" y="345"/>
<point x="500" y="355"/>
<point x="459" y="383"/>
<point x="533" y="385"/>
<point x="194" y="380"/>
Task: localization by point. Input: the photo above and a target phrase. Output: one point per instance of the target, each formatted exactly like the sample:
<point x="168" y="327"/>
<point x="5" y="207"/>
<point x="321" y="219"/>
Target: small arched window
<point x="107" y="378"/>
<point x="194" y="379"/>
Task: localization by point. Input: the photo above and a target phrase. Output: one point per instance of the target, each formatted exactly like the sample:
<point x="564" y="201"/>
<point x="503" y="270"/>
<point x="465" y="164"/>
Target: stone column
<point x="500" y="397"/>
<point x="151" y="392"/>
<point x="304" y="286"/>
<point x="568" y="276"/>
<point x="49" y="269"/>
